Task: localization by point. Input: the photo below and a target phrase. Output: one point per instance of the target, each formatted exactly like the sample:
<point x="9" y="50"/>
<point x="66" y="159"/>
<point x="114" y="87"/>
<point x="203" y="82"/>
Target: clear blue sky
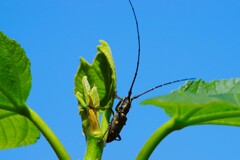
<point x="180" y="39"/>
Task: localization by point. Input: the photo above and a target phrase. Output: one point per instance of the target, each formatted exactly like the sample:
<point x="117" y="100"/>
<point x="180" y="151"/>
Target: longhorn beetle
<point x="119" y="119"/>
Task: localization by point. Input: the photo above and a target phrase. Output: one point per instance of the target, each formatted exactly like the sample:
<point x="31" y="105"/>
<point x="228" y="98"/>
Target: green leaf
<point x="197" y="102"/>
<point x="93" y="83"/>
<point x="88" y="103"/>
<point x="16" y="130"/>
<point x="100" y="73"/>
<point x="15" y="84"/>
<point x="200" y="102"/>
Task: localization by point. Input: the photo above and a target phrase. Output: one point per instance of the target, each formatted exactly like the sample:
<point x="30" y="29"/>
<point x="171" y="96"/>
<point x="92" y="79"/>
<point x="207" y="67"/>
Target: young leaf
<point x="95" y="89"/>
<point x="15" y="84"/>
<point x="88" y="103"/>
<point x="200" y="102"/>
<point x="100" y="73"/>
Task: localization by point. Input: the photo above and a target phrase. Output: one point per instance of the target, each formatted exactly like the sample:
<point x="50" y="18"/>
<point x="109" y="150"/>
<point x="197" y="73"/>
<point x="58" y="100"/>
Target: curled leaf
<point x="95" y="88"/>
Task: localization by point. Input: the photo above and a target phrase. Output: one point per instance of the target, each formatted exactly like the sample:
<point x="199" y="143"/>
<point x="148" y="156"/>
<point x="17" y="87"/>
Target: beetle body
<point x="122" y="108"/>
<point x="118" y="120"/>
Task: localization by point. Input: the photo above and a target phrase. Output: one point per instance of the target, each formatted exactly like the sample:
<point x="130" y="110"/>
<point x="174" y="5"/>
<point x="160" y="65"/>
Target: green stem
<point x="48" y="134"/>
<point x="94" y="148"/>
<point x="156" y="138"/>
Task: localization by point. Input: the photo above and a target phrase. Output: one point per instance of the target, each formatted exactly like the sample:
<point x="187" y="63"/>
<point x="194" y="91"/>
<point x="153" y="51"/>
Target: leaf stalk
<point x="156" y="138"/>
<point x="48" y="134"/>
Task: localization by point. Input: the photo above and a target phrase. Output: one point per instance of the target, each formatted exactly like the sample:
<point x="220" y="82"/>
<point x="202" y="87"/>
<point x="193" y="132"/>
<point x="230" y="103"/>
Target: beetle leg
<point x="118" y="97"/>
<point x="117" y="106"/>
<point x="118" y="138"/>
<point x="112" y="111"/>
<point x="103" y="136"/>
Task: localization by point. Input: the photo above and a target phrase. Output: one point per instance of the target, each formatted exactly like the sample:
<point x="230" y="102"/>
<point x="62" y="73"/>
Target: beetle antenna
<point x="161" y="85"/>
<point x="139" y="47"/>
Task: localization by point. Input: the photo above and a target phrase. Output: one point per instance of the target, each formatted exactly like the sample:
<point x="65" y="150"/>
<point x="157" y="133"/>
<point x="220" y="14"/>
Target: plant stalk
<point x="156" y="138"/>
<point x="94" y="148"/>
<point x="48" y="134"/>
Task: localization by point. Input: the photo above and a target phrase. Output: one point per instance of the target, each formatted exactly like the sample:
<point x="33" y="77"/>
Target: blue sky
<point x="179" y="39"/>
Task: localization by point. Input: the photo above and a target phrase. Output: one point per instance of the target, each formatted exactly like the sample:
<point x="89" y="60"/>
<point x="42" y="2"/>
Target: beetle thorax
<point x="125" y="106"/>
